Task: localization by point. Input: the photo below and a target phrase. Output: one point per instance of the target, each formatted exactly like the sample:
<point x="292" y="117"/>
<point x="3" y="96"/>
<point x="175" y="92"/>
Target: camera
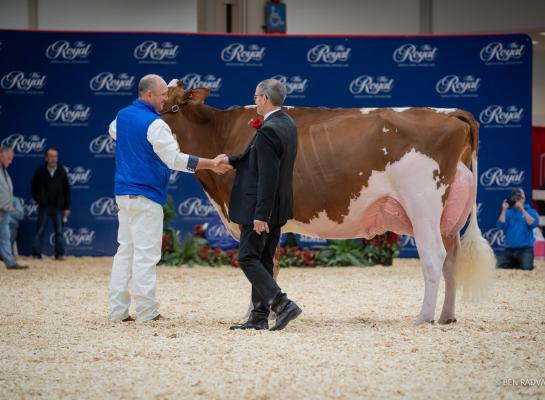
<point x="511" y="202"/>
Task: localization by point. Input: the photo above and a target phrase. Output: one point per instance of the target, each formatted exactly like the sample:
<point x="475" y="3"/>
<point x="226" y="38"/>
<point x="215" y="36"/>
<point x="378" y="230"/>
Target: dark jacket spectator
<point x="51" y="190"/>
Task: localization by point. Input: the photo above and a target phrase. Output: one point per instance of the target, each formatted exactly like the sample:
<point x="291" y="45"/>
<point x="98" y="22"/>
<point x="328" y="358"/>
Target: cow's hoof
<point x="421" y="321"/>
<point x="448" y="321"/>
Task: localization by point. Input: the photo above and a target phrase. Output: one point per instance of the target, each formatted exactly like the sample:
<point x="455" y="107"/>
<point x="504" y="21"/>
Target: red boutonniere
<point x="256" y="123"/>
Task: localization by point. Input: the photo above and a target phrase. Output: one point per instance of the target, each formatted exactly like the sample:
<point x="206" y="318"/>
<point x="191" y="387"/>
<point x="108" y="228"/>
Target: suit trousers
<point x="256" y="255"/>
<point x="139" y="236"/>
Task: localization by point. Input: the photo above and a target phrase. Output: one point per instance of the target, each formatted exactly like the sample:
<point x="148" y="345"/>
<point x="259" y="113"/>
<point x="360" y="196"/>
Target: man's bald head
<point x="149" y="82"/>
<point x="153" y="90"/>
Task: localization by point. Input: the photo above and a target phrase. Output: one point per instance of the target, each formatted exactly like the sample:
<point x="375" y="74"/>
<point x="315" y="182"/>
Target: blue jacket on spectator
<point x="517" y="232"/>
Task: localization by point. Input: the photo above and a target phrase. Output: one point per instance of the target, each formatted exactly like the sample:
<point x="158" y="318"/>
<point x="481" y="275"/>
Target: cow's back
<point x="340" y="149"/>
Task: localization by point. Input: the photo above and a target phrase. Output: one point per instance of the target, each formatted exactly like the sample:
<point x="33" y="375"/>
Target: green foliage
<point x="169" y="213"/>
<point x="343" y="253"/>
<point x="185" y="252"/>
<point x="195" y="250"/>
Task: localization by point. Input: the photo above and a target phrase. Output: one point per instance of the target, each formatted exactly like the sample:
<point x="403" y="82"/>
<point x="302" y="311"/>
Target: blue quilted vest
<point x="139" y="171"/>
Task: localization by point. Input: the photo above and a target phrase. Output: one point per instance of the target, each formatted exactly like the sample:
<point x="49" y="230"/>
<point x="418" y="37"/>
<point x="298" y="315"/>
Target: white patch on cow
<point x="288" y="107"/>
<point x="173" y="83"/>
<point x="401" y="109"/>
<point x="367" y="110"/>
<point x="385" y="130"/>
<point x="250" y="106"/>
<point x="360" y="174"/>
<point x="385" y="151"/>
<point x="412" y="176"/>
<point x="443" y="110"/>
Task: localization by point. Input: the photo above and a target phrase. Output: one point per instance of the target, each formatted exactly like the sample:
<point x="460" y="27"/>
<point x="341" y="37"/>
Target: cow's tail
<point x="475" y="261"/>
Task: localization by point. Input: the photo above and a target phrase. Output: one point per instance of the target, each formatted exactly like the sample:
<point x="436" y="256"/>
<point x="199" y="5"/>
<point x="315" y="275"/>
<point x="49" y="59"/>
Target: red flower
<point x="164" y="243"/>
<point x="256" y="123"/>
<point x="199" y="230"/>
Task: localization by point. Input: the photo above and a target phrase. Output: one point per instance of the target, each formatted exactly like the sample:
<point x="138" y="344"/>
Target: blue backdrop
<point x="62" y="89"/>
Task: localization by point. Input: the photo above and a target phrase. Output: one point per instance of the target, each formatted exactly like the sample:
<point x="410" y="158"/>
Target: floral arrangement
<point x="195" y="250"/>
<point x="382" y="249"/>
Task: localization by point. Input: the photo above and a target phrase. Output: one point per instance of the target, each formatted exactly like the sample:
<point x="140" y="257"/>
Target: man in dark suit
<point x="262" y="201"/>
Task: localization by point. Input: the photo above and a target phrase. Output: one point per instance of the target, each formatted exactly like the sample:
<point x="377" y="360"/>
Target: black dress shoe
<point x="59" y="258"/>
<point x="17" y="266"/>
<point x="286" y="311"/>
<point x="37" y="256"/>
<point x="251" y="324"/>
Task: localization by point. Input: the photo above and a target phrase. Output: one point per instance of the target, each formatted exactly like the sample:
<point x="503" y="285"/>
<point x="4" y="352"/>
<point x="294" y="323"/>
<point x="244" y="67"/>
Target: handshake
<point x="220" y="164"/>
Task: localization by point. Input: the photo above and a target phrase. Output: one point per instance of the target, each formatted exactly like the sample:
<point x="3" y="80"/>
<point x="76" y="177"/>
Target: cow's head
<point x="178" y="96"/>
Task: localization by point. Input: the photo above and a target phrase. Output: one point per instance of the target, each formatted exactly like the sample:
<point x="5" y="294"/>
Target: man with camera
<point x="517" y="220"/>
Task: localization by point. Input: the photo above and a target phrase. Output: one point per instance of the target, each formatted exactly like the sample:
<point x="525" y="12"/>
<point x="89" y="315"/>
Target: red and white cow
<point x="359" y="173"/>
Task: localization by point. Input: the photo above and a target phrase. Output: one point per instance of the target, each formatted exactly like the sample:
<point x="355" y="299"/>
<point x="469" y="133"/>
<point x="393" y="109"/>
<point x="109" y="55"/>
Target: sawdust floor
<point x="355" y="338"/>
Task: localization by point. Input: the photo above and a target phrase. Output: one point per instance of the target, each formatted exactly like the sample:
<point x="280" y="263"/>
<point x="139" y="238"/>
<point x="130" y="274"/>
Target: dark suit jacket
<point x="263" y="187"/>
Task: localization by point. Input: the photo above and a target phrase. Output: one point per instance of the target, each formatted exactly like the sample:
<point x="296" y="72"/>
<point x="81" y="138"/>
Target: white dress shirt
<point x="165" y="145"/>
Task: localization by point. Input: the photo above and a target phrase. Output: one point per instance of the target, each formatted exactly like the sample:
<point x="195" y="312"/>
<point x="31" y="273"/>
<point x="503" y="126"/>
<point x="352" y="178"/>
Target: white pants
<point x="139" y="236"/>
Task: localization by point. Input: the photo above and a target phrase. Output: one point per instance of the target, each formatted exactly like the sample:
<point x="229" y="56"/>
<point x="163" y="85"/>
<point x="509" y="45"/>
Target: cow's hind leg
<point x="424" y="211"/>
<point x="452" y="244"/>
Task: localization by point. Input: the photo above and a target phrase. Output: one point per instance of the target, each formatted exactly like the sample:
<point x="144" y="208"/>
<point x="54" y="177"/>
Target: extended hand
<point x="220" y="164"/>
<point x="260" y="226"/>
<point x="505" y="205"/>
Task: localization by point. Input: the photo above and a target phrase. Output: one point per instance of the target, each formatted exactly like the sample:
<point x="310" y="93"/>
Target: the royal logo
<point x="102" y="145"/>
<point x="30" y="208"/>
<point x="196" y="207"/>
<point x="238" y="52"/>
<point x="33" y="145"/>
<point x="218" y="232"/>
<point x="324" y="53"/>
<point x="497" y="115"/>
<point x="78" y="176"/>
<point x="104" y="207"/>
<point x="294" y="85"/>
<point x="498" y="177"/>
<point x="81" y="237"/>
<point x="370" y="85"/>
<point x="63" y="49"/>
<point x="454" y="84"/>
<point x="151" y="50"/>
<point x="21" y="81"/>
<point x="497" y="51"/>
<point x="410" y="53"/>
<point x="194" y="80"/>
<point x="109" y="82"/>
<point x="406" y="241"/>
<point x="64" y="113"/>
<point x="495" y="236"/>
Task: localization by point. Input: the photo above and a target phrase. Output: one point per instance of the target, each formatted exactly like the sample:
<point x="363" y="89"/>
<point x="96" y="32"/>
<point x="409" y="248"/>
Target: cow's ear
<point x="196" y="95"/>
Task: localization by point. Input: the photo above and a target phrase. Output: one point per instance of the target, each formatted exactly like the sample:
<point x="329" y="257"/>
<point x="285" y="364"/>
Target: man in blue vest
<point x="146" y="151"/>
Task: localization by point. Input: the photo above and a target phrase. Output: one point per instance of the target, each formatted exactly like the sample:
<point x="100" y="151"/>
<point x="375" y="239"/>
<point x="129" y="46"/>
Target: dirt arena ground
<point x="355" y="338"/>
